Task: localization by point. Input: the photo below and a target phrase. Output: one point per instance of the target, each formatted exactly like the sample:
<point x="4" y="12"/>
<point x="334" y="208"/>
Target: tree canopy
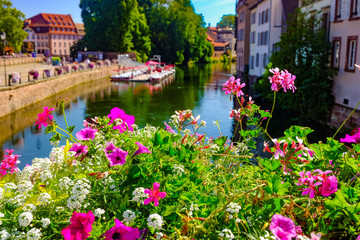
<point x="12" y="22"/>
<point x="227" y="20"/>
<point x="169" y="28"/>
<point x="305" y="52"/>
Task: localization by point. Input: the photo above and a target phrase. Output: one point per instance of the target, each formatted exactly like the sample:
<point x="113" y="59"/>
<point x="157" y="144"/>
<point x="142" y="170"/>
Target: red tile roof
<point x="57" y="23"/>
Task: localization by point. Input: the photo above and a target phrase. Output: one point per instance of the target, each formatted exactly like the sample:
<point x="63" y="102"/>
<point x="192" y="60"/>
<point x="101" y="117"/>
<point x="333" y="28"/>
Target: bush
<point x="174" y="183"/>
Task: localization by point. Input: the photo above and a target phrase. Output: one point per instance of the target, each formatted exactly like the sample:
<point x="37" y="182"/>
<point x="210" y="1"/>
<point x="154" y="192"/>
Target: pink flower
<point x="154" y="194"/>
<point x="358" y="237"/>
<point x="354" y="138"/>
<point x="117" y="157"/>
<point x="122" y="121"/>
<point x="44" y="118"/>
<point x="168" y="128"/>
<point x="233" y="87"/>
<point x="86" y="134"/>
<point x="78" y="149"/>
<point x="80" y="226"/>
<point x="282" y="227"/>
<point x="122" y="232"/>
<point x="316" y="236"/>
<point x="9" y="163"/>
<point x="110" y="147"/>
<point x="329" y="186"/>
<point x="283" y="79"/>
<point x="141" y="149"/>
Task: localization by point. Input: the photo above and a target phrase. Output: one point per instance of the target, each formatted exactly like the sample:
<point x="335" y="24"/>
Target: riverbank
<point x="16" y="97"/>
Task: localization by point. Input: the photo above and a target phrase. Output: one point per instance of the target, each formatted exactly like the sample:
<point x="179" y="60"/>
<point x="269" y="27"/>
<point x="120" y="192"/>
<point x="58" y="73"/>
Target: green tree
<point x="304" y="51"/>
<point x="227" y="20"/>
<point x="115" y="25"/>
<point x="12" y="22"/>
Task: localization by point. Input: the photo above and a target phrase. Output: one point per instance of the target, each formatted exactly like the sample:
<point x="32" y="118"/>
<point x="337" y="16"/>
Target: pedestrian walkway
<point x="23" y="70"/>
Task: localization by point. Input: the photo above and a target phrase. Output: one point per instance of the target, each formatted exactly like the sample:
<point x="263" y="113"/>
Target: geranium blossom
<point x="282" y="227"/>
<point x="9" y="163"/>
<point x="122" y="232"/>
<point x="80" y="227"/>
<point x="44" y="118"/>
<point x="122" y="121"/>
<point x="86" y="134"/>
<point x="141" y="149"/>
<point x="354" y="138"/>
<point x="318" y="183"/>
<point x="78" y="149"/>
<point x="117" y="157"/>
<point x="233" y="87"/>
<point x="154" y="194"/>
<point x="282" y="79"/>
<point x="168" y="128"/>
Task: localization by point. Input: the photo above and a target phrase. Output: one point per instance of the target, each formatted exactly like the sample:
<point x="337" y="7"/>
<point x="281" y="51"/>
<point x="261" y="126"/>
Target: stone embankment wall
<point x="17" y="61"/>
<point x="340" y="113"/>
<point x="19" y="96"/>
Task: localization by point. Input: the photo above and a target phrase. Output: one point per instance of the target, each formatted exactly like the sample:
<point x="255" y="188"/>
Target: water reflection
<point x="197" y="87"/>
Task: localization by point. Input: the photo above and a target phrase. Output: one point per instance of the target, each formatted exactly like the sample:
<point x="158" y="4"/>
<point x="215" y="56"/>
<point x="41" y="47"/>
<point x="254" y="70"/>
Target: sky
<point x="212" y="10"/>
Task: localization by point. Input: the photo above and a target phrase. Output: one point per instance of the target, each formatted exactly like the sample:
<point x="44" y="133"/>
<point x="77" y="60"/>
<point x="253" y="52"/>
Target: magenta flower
<point x="44" y="118"/>
<point x="168" y="128"/>
<point x="78" y="149"/>
<point x="117" y="157"/>
<point x="9" y="163"/>
<point x="122" y="121"/>
<point x="122" y="232"/>
<point x="80" y="226"/>
<point x="355" y="138"/>
<point x="282" y="79"/>
<point x="282" y="227"/>
<point x="141" y="149"/>
<point x="86" y="134"/>
<point x="329" y="186"/>
<point x="154" y="194"/>
<point x="358" y="237"/>
<point x="233" y="87"/>
<point x="110" y="147"/>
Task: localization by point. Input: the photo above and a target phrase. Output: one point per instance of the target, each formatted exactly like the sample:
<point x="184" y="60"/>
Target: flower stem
<point x="272" y="110"/>
<point x="347" y="119"/>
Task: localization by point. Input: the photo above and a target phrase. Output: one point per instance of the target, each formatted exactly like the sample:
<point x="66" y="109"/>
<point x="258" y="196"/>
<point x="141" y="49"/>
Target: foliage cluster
<point x="163" y="27"/>
<point x="227" y="20"/>
<point x="12" y="22"/>
<point x="179" y="184"/>
<point x="304" y="51"/>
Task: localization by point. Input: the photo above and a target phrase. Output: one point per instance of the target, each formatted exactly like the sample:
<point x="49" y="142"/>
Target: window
<point x="38" y="44"/>
<point x="335" y="58"/>
<point x="65" y="51"/>
<point x="42" y="36"/>
<point x="259" y="39"/>
<point x="241" y="35"/>
<point x="265" y="60"/>
<point x="251" y="63"/>
<point x="64" y="44"/>
<point x="241" y="18"/>
<point x="257" y="59"/>
<point x="267" y="16"/>
<point x="42" y="44"/>
<point x="55" y="51"/>
<point x="252" y="37"/>
<point x="54" y="44"/>
<point x="355" y="11"/>
<point x="59" y="44"/>
<point x="259" y="19"/>
<point x="265" y="37"/>
<point x="253" y="18"/>
<point x="351" y="53"/>
<point x="338" y="10"/>
<point x="38" y="37"/>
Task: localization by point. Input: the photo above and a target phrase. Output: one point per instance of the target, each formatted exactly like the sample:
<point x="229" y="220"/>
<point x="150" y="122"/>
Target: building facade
<point x="54" y="33"/>
<point x="345" y="31"/>
<point x="243" y="38"/>
<point x="223" y="41"/>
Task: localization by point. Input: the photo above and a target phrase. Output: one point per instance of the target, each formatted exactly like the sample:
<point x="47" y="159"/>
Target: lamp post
<point x="3" y="37"/>
<point x="85" y="49"/>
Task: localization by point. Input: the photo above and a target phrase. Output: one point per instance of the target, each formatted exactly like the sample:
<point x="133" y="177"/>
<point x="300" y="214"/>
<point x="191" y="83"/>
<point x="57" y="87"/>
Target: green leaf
<point x="70" y="129"/>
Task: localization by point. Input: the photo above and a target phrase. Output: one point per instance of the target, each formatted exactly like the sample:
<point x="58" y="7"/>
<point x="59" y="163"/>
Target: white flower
<point x="178" y="169"/>
<point x="25" y="186"/>
<point x="1" y="215"/>
<point x="29" y="207"/>
<point x="1" y="193"/>
<point x="33" y="234"/>
<point x="65" y="183"/>
<point x="45" y="222"/>
<point x="43" y="199"/>
<point x="267" y="236"/>
<point x="129" y="216"/>
<point x="98" y="212"/>
<point x="10" y="186"/>
<point x="159" y="235"/>
<point x="155" y="221"/>
<point x="25" y="219"/>
<point x="227" y="234"/>
<point x="4" y="235"/>
<point x="238" y="220"/>
<point x="139" y="195"/>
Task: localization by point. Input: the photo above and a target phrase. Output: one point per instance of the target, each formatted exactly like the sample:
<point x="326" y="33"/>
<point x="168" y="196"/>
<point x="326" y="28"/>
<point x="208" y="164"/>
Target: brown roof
<point x="55" y="23"/>
<point x="210" y="39"/>
<point x="80" y="28"/>
<point x="220" y="44"/>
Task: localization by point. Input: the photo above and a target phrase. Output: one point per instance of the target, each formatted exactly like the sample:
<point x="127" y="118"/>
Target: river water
<point x="198" y="87"/>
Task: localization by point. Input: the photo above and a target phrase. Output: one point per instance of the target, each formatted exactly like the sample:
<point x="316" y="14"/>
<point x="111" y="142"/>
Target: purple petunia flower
<point x="86" y="134"/>
<point x="122" y="232"/>
<point x="78" y="149"/>
<point x="122" y="121"/>
<point x="141" y="149"/>
<point x="117" y="157"/>
<point x="282" y="227"/>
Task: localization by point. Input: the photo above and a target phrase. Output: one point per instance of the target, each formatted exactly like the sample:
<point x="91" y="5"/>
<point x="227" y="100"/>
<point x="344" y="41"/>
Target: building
<point x="80" y="29"/>
<point x="29" y="45"/>
<point x="54" y="33"/>
<point x="267" y="23"/>
<point x="345" y="31"/>
<point x="223" y="41"/>
<point x="244" y="20"/>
